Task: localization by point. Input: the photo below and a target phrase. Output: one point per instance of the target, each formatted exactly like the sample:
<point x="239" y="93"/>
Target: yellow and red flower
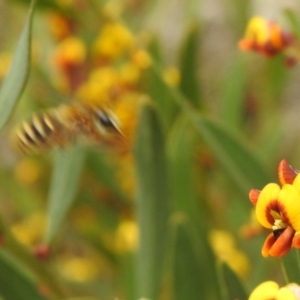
<point x="270" y="290"/>
<point x="278" y="208"/>
<point x="266" y="38"/>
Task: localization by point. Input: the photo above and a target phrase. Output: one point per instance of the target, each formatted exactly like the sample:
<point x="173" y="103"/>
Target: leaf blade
<point x="14" y="83"/>
<point x="15" y="281"/>
<point x="192" y="253"/>
<point x="65" y="178"/>
<point x="189" y="83"/>
<point x="152" y="203"/>
<point x="232" y="151"/>
<point x="231" y="284"/>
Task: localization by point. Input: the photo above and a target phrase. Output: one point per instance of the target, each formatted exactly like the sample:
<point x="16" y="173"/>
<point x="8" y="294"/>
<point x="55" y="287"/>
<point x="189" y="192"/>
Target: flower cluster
<point x="270" y="290"/>
<point x="105" y="70"/>
<point x="269" y="39"/>
<point x="278" y="208"/>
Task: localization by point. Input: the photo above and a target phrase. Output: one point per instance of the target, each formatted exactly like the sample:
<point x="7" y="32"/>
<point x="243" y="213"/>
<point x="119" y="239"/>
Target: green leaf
<point x="233" y="95"/>
<point x="15" y="281"/>
<point x="45" y="4"/>
<point x="192" y="253"/>
<point x="231" y="285"/>
<point x="64" y="183"/>
<point x="184" y="195"/>
<point x="290" y="264"/>
<point x="154" y="49"/>
<point x="16" y="79"/>
<point x="152" y="203"/>
<point x="159" y="92"/>
<point x="189" y="82"/>
<point x="294" y="21"/>
<point x="238" y="160"/>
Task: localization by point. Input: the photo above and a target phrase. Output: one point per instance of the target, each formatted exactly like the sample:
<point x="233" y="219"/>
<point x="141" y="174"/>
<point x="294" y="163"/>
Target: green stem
<point x="290" y="265"/>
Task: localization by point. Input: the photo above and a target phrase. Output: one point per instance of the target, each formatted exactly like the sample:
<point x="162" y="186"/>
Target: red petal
<point x="270" y="240"/>
<point x="296" y="241"/>
<point x="247" y="45"/>
<point x="253" y="196"/>
<point x="283" y="243"/>
<point x="286" y="173"/>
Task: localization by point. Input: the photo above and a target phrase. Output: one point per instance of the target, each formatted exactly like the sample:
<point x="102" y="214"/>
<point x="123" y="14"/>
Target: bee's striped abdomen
<point x="37" y="133"/>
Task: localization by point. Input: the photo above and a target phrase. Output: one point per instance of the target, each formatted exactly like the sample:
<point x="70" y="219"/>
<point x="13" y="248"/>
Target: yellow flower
<point x="270" y="290"/>
<point x="99" y="86"/>
<point x="127" y="236"/>
<point x="141" y="59"/>
<point x="70" y="52"/>
<point x="60" y="26"/>
<point x="30" y="230"/>
<point x="129" y="74"/>
<point x="113" y="41"/>
<point x="28" y="171"/>
<point x="172" y="76"/>
<point x="278" y="208"/>
<point x="78" y="269"/>
<point x="265" y="37"/>
<point x="224" y="246"/>
<point x="5" y="61"/>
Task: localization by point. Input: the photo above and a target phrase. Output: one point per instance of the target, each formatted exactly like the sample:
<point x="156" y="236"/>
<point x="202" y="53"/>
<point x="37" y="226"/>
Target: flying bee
<point x="66" y="124"/>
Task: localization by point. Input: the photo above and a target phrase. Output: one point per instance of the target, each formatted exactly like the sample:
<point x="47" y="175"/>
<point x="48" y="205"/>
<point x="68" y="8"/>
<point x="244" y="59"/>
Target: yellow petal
<point x="265" y="291"/>
<point x="285" y="294"/>
<point x="269" y="193"/>
<point x="295" y="288"/>
<point x="289" y="202"/>
<point x="296" y="183"/>
<point x="257" y="30"/>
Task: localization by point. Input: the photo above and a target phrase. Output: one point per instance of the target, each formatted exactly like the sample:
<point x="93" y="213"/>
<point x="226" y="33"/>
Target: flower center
<point x="279" y="224"/>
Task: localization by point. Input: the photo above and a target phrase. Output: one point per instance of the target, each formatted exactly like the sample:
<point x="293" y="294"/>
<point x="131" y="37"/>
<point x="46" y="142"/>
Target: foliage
<point x="168" y="215"/>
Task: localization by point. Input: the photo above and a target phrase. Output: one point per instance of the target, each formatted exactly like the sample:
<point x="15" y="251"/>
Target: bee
<point x="66" y="124"/>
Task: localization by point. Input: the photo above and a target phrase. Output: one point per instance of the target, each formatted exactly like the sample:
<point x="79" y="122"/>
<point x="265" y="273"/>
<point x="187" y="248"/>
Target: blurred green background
<point x="205" y="123"/>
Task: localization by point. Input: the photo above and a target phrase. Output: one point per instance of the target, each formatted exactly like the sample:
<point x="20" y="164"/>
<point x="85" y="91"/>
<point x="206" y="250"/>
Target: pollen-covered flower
<point x="113" y="41"/>
<point x="278" y="208"/>
<point x="70" y="52"/>
<point x="265" y="37"/>
<point x="270" y="290"/>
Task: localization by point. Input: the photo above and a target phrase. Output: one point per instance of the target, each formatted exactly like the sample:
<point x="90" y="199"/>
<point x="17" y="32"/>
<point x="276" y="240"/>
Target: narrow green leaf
<point x="152" y="203"/>
<point x="239" y="161"/>
<point x="154" y="49"/>
<point x="184" y="195"/>
<point x="233" y="94"/>
<point x="192" y="254"/>
<point x="231" y="285"/>
<point x="235" y="156"/>
<point x="294" y="21"/>
<point x="188" y="62"/>
<point x="64" y="183"/>
<point x="290" y="264"/>
<point x="158" y="90"/>
<point x="127" y="278"/>
<point x="16" y="79"/>
<point x="15" y="281"/>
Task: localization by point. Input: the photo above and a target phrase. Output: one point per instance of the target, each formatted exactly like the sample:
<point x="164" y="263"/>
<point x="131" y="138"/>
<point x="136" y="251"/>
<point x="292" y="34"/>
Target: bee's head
<point x="107" y="121"/>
